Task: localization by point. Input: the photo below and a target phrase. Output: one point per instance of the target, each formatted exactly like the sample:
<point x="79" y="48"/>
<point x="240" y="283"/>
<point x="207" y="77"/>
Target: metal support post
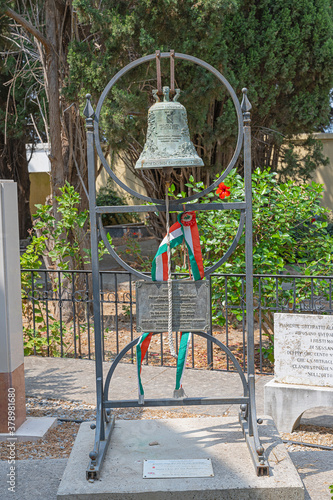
<point x="246" y="106"/>
<point x="102" y="435"/>
<point x="248" y="417"/>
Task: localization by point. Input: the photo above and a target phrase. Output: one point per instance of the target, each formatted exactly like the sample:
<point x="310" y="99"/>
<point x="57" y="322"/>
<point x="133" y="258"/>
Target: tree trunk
<point x="52" y="89"/>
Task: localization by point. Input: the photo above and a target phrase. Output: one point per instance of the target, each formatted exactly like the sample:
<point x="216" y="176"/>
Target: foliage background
<point x="281" y="50"/>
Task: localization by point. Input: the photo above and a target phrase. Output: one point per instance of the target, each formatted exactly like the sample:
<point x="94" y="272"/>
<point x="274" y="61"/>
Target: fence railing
<point x="58" y="315"/>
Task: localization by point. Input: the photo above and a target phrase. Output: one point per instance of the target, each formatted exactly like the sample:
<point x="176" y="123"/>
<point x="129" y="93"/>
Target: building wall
<point x="324" y="175"/>
<point x="39" y="189"/>
<point x="123" y="174"/>
<point x="40" y="184"/>
<point x="39" y="167"/>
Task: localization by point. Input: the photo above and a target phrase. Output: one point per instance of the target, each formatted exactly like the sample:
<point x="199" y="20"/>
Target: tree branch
<point x="30" y="28"/>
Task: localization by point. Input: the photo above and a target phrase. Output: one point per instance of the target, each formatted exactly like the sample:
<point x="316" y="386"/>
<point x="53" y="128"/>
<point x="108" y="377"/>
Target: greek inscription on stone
<point x="303" y="349"/>
<point x="190" y="306"/>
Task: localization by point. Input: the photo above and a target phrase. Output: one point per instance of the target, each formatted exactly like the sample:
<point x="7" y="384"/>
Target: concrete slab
<point x="33" y="429"/>
<point x="74" y="379"/>
<point x="286" y="403"/>
<point x="217" y="438"/>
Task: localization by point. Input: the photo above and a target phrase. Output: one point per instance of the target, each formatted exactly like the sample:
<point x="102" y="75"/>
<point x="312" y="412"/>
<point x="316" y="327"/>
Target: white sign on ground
<point x="197" y="467"/>
<point x="303" y="349"/>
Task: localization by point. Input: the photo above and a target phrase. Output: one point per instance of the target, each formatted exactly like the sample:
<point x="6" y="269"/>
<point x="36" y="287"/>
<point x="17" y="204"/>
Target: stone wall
<point x="324" y="175"/>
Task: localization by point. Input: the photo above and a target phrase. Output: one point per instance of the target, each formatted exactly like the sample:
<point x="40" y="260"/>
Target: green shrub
<point x="289" y="228"/>
<point x="289" y="232"/>
<point x="61" y="242"/>
<point x="108" y="196"/>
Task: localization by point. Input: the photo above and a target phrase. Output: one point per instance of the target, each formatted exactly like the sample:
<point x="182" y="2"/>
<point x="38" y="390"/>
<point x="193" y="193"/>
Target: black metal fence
<point x="58" y="315"/>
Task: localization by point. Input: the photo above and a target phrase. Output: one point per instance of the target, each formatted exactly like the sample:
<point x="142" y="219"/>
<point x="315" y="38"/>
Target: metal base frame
<point x="257" y="453"/>
<point x="98" y="454"/>
<point x="247" y="416"/>
<point x="248" y="419"/>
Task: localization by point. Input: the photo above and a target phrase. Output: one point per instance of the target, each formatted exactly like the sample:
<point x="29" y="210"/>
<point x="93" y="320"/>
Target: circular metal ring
<point x="184" y="57"/>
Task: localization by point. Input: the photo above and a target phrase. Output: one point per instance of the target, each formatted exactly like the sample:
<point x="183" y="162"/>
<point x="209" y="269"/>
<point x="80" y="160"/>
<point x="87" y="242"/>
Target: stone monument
<point x="303" y="351"/>
<point x="12" y="409"/>
<point x="14" y="425"/>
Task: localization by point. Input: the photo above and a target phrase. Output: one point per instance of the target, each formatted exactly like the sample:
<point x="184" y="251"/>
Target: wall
<point x="40" y="184"/>
<point x="39" y="189"/>
<point x="125" y="175"/>
<point x="39" y="167"/>
<point x="324" y="175"/>
<point x="40" y="181"/>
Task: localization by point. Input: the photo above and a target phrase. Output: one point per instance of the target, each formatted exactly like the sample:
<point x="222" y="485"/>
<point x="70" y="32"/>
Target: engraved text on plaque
<point x="190" y="306"/>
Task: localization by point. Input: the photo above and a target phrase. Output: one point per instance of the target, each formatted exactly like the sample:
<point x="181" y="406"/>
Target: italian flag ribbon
<point x="184" y="230"/>
<point x="181" y="362"/>
<point x="141" y="349"/>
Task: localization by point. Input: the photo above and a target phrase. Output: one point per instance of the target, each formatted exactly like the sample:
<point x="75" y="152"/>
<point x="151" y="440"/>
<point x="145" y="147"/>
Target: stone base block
<point x="219" y="439"/>
<point x="33" y="429"/>
<point x="286" y="402"/>
<point x="12" y="394"/>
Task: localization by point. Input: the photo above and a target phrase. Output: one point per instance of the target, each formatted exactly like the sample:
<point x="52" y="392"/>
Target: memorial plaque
<point x="303" y="349"/>
<point x="190" y="306"/>
<point x="197" y="467"/>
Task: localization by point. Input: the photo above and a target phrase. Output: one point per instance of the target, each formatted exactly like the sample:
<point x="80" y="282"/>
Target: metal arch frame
<point x="131" y="344"/>
<point x="247" y="416"/>
<point x="208" y="271"/>
<point x="198" y="62"/>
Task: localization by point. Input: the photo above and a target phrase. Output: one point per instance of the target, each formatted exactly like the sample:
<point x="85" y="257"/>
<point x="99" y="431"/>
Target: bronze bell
<point x="168" y="141"/>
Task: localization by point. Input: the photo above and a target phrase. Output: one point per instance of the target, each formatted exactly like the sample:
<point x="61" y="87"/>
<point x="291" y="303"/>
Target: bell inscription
<point x="190" y="306"/>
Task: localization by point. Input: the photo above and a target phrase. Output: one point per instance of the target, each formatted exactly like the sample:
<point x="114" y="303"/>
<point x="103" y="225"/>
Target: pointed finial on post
<point x="246" y="107"/>
<point x="88" y="110"/>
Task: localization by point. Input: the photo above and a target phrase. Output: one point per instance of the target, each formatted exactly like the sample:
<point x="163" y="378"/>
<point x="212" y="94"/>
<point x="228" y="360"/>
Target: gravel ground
<point x="59" y="440"/>
<point x="322" y="436"/>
